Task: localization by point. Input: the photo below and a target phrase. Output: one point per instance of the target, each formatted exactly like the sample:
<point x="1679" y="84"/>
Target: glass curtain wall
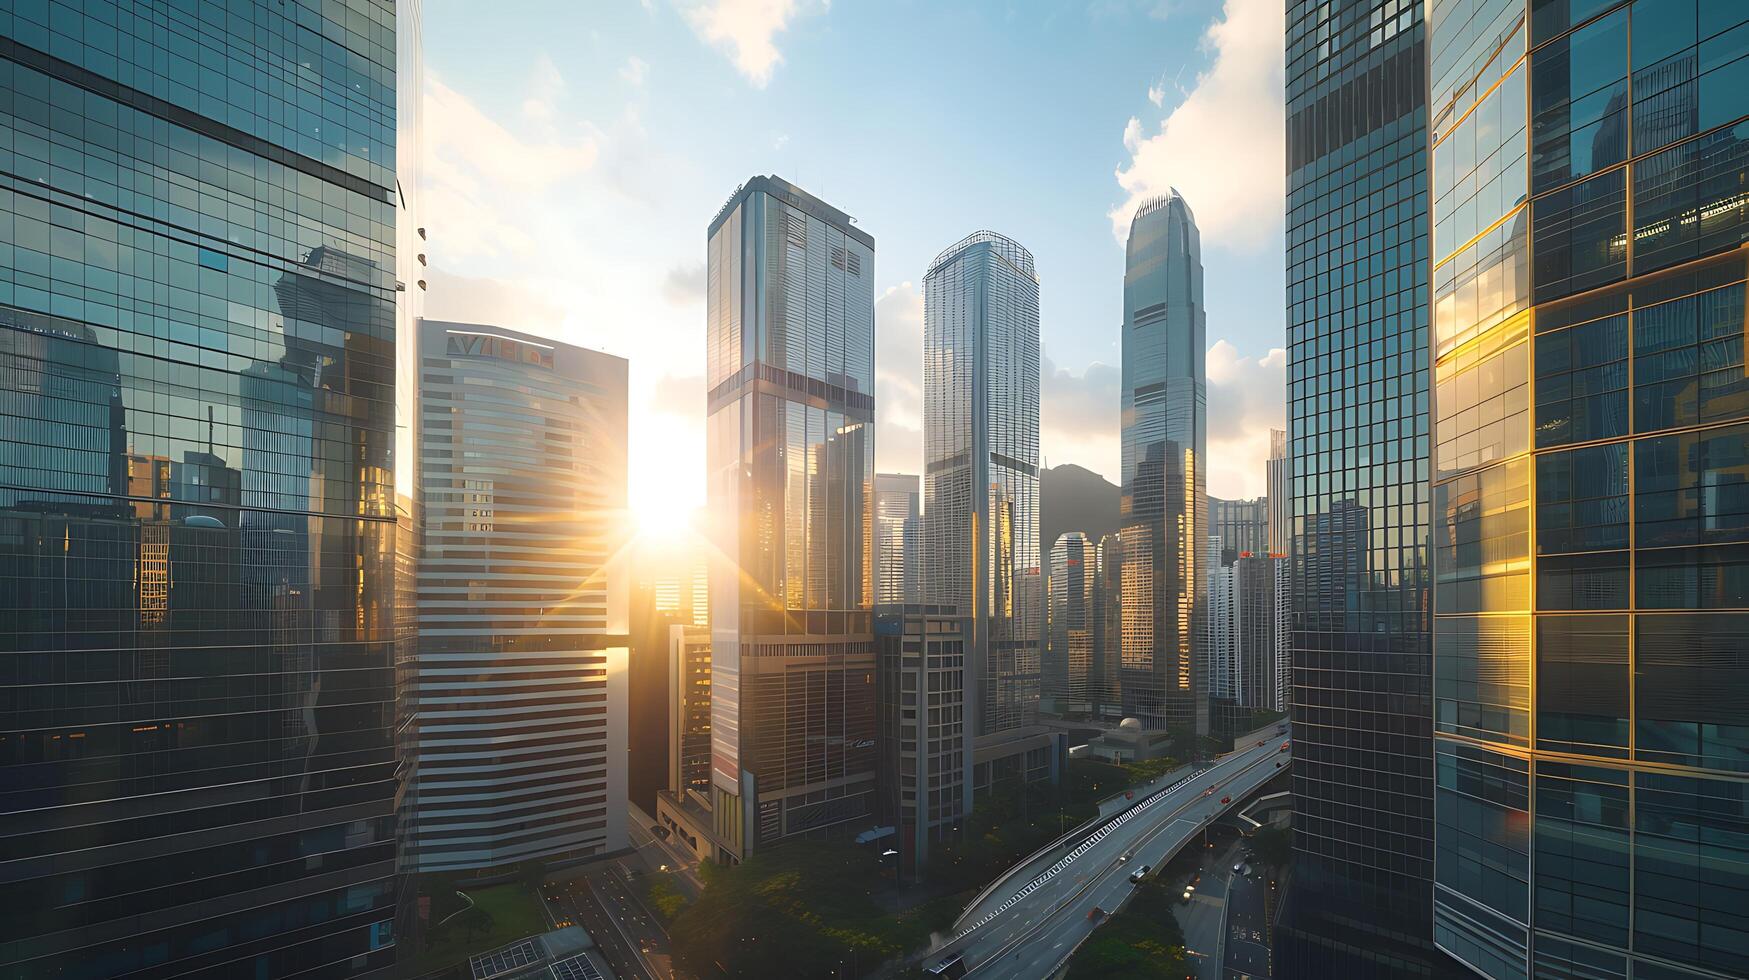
<point x="1591" y="497"/>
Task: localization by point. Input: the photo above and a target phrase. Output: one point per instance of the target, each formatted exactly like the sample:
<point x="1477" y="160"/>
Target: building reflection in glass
<point x="1591" y="488"/>
<point x="197" y="771"/>
<point x="790" y="469"/>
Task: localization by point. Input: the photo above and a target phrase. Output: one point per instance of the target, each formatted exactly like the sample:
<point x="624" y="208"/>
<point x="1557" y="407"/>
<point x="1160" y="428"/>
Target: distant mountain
<point x="1074" y="498"/>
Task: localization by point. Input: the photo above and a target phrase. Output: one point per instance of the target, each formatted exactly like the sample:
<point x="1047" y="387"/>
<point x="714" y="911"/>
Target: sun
<point x="662" y="514"/>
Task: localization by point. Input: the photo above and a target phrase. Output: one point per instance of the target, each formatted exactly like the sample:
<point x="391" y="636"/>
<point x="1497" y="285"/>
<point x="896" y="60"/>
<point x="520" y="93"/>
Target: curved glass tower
<point x="980" y="449"/>
<point x="1163" y="508"/>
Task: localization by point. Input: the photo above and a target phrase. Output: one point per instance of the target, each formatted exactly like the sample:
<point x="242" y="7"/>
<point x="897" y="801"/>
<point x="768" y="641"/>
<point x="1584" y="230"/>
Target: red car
<point x="1284" y="746"/>
<point x="1226" y="799"/>
<point x="1095" y="913"/>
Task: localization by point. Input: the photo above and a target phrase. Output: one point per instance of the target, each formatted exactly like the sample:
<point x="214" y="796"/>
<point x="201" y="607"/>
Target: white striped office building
<point x="520" y="696"/>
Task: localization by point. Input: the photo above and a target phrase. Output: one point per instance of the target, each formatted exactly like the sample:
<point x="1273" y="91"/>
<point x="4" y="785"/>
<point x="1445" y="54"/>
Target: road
<point x="576" y="899"/>
<point x="1026" y="931"/>
<point x="1247" y="942"/>
<point x="1203" y="918"/>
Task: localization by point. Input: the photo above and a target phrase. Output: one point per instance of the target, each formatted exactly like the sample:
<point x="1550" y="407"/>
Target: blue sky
<point x="575" y="153"/>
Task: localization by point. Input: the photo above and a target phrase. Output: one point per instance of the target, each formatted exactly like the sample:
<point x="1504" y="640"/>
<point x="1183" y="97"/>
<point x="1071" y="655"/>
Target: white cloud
<point x="506" y="303"/>
<point x="527" y="196"/>
<point x="473" y="163"/>
<point x="899" y="380"/>
<point x="544" y="91"/>
<point x="746" y="29"/>
<point x="1247" y="396"/>
<point x="1079" y="417"/>
<point x="635" y="71"/>
<point x="685" y="284"/>
<point x="1222" y="146"/>
<point x="1156" y="95"/>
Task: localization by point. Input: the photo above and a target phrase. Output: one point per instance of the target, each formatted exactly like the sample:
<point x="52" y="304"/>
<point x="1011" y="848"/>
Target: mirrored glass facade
<point x="520" y="694"/>
<point x="980" y="453"/>
<point x="1068" y="672"/>
<point x="1163" y="502"/>
<point x="1591" y="485"/>
<point x="898" y="538"/>
<point x="1361" y="896"/>
<point x="198" y="617"/>
<point x="790" y="468"/>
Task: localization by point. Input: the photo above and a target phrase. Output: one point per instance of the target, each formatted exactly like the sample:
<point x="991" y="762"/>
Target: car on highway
<point x="1125" y="856"/>
<point x="1095" y="913"/>
<point x="1260" y="742"/>
<point x="1284" y="746"/>
<point x="1225" y="800"/>
<point x="1137" y="875"/>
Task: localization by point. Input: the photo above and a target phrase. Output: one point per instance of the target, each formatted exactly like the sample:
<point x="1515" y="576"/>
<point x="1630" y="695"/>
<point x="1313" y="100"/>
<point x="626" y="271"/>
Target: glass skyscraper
<point x="1590" y="201"/>
<point x="980" y="484"/>
<point x="524" y="586"/>
<point x="1242" y="526"/>
<point x="898" y="528"/>
<point x="198" y="482"/>
<point x="1069" y="678"/>
<point x="790" y="461"/>
<point x="1360" y="903"/>
<point x="1163" y="507"/>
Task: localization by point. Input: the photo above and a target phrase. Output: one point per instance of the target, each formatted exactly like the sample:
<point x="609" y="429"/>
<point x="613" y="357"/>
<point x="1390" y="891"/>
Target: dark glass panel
<point x="1690" y="200"/>
<point x="1690" y="674"/>
<point x="1581" y="383"/>
<point x="1582" y="851"/>
<point x="1578" y="236"/>
<point x="1582" y="500"/>
<point x="1691" y="870"/>
<point x="1582" y="684"/>
<point x="1688" y="361"/>
<point x="1692" y="488"/>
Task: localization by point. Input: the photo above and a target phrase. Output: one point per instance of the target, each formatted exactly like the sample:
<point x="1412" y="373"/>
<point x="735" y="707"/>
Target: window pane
<point x="1582" y="851"/>
<point x="1581" y="383"/>
<point x="1692" y="488"/>
<point x="1481" y="684"/>
<point x="1582" y="684"/>
<point x="1692" y="670"/>
<point x="1691" y="870"/>
<point x="1582" y="502"/>
<point x="1578" y="236"/>
<point x="1689" y="200"/>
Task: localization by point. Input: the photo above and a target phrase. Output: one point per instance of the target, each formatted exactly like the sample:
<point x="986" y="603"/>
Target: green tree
<point x="1143" y="941"/>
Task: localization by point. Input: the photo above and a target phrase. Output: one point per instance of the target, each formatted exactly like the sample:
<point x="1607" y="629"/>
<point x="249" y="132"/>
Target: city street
<point x="1027" y="928"/>
<point x="1203" y="918"/>
<point x="575" y="898"/>
<point x="1247" y="955"/>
